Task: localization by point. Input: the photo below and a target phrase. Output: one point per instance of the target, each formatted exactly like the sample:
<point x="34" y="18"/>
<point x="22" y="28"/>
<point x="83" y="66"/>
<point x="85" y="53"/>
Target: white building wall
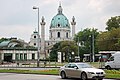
<point x="29" y="56"/>
<point x="13" y="56"/>
<point x="35" y="55"/>
<point x="2" y="56"/>
<point x="62" y="31"/>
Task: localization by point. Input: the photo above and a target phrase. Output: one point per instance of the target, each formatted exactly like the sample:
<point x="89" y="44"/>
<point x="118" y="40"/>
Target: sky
<point x="18" y="19"/>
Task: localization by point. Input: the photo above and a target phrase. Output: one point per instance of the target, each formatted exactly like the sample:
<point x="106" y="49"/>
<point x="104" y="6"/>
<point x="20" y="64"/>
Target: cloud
<point x="20" y="31"/>
<point x="17" y="18"/>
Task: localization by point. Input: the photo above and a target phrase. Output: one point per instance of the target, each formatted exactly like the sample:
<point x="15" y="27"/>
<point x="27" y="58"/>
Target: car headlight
<point x="91" y="72"/>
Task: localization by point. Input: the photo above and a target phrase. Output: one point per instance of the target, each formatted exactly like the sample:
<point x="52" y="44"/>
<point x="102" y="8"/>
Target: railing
<point x="43" y="64"/>
<point x="31" y="64"/>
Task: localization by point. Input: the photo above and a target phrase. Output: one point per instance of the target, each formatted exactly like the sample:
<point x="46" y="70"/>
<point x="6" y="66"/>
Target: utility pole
<point x="93" y="49"/>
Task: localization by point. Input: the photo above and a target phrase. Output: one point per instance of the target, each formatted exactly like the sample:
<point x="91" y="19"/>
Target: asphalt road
<point x="14" y="76"/>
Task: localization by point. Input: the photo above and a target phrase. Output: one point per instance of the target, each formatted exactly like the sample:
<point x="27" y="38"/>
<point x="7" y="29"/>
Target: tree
<point x="85" y="40"/>
<point x="109" y="40"/>
<point x="114" y="22"/>
<point x="66" y="47"/>
<point x="54" y="50"/>
<point x="71" y="45"/>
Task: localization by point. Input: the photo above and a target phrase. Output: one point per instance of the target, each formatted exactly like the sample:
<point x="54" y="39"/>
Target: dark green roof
<point x="4" y="43"/>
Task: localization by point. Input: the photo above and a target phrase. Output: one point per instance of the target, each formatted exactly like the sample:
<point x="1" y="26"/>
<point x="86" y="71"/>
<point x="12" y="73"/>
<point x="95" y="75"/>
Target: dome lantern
<point x="60" y="9"/>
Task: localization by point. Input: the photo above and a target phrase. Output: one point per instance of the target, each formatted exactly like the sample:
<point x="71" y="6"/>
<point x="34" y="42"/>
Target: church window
<point x="58" y="34"/>
<point x="51" y="35"/>
<point x="34" y="44"/>
<point x="48" y="51"/>
<point x="58" y="25"/>
<point x="58" y="18"/>
<point x="67" y="35"/>
<point x="34" y="36"/>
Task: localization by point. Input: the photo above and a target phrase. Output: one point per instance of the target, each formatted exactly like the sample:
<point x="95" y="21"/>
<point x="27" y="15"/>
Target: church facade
<point x="60" y="29"/>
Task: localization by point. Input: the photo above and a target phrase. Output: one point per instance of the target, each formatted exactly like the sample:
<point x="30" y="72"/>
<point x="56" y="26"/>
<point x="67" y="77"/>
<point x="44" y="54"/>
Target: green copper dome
<point x="59" y="20"/>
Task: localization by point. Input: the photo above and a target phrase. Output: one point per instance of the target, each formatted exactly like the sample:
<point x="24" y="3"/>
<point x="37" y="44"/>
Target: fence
<point x="43" y="64"/>
<point x="31" y="64"/>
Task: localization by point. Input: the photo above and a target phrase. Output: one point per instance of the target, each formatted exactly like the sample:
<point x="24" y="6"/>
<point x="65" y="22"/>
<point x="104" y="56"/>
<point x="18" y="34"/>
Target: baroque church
<point x="16" y="50"/>
<point x="59" y="30"/>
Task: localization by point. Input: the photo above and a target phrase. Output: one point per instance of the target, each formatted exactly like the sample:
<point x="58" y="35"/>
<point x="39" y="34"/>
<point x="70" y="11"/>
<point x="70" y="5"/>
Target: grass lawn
<point x="109" y="73"/>
<point x="112" y="74"/>
<point x="50" y="72"/>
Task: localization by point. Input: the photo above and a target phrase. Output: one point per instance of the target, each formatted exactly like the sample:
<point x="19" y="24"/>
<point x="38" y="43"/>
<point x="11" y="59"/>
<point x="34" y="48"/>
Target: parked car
<point x="113" y="62"/>
<point x="81" y="70"/>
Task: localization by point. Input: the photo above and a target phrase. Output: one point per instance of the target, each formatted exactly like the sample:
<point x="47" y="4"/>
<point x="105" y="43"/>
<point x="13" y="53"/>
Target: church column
<point x="73" y="23"/>
<point x="43" y="36"/>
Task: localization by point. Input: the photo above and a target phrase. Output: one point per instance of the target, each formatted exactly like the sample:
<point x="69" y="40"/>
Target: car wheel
<point x="63" y="75"/>
<point x="108" y="68"/>
<point x="83" y="76"/>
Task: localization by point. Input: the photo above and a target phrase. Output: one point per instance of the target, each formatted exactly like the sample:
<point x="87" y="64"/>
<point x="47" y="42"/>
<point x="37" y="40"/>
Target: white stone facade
<point x="64" y="34"/>
<point x="60" y="30"/>
<point x="18" y="55"/>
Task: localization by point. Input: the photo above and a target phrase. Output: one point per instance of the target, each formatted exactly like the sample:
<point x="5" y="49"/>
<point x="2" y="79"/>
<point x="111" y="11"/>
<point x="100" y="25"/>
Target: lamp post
<point x="38" y="40"/>
<point x="73" y="57"/>
<point x="90" y="38"/>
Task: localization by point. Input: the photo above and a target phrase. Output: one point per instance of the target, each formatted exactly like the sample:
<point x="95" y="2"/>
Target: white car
<point x="81" y="70"/>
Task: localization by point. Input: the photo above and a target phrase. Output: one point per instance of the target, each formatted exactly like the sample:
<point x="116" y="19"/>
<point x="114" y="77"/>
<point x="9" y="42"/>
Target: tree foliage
<point x="64" y="47"/>
<point x="68" y="46"/>
<point x="54" y="50"/>
<point x="85" y="39"/>
<point x="114" y="22"/>
<point x="109" y="40"/>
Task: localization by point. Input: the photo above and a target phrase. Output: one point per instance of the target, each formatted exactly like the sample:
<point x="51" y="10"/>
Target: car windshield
<point x="84" y="65"/>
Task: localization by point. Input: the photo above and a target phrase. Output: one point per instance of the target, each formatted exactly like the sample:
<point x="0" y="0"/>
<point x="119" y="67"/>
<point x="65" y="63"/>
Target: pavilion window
<point x="17" y="57"/>
<point x="33" y="56"/>
<point x="25" y="56"/>
<point x="21" y="56"/>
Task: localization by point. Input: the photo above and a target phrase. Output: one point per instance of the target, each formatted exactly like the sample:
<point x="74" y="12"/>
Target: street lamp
<point x="38" y="40"/>
<point x="90" y="38"/>
<point x="73" y="56"/>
